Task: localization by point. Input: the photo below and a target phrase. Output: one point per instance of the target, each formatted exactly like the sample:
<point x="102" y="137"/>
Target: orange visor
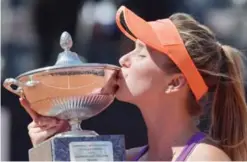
<point x="163" y="36"/>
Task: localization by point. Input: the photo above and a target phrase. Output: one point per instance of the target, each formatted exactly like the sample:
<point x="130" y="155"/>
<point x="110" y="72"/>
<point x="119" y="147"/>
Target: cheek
<point x="144" y="80"/>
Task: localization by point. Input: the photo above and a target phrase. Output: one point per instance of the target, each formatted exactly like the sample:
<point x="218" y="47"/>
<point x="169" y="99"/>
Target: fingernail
<point x="21" y="100"/>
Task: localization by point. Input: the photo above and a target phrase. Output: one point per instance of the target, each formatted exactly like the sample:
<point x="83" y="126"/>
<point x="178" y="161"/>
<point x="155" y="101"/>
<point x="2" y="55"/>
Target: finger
<point x="40" y="128"/>
<point x="60" y="123"/>
<point x="49" y="132"/>
<point x="43" y="121"/>
<point x="32" y="125"/>
<point x="62" y="127"/>
<point x="28" y="109"/>
<point x="41" y="136"/>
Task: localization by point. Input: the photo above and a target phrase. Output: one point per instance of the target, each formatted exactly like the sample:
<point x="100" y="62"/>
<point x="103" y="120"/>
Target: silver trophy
<point x="73" y="91"/>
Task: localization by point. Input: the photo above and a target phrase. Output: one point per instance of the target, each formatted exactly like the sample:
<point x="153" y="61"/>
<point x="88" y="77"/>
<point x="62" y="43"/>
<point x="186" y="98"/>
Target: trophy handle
<point x="13" y="86"/>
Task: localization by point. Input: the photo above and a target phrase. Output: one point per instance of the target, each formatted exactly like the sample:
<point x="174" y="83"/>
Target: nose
<point x="125" y="61"/>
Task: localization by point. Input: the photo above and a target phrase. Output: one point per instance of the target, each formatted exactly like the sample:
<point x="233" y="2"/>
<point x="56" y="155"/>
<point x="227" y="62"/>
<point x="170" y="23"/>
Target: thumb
<point x="25" y="104"/>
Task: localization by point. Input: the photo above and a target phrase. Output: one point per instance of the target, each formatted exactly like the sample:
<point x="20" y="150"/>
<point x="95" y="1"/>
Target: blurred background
<point x="30" y="32"/>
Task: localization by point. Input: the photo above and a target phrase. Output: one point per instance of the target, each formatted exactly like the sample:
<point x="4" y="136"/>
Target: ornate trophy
<point x="73" y="91"/>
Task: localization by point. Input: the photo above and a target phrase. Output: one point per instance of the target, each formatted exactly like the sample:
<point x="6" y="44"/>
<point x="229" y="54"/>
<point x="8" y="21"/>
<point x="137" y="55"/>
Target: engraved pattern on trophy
<point x="74" y="91"/>
<point x="70" y="89"/>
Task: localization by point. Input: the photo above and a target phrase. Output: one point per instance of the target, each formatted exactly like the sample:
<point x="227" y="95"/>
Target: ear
<point x="177" y="82"/>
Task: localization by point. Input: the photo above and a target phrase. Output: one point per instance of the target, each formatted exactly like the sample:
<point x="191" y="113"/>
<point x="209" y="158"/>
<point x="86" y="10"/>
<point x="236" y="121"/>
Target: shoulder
<point x="207" y="151"/>
<point x="133" y="152"/>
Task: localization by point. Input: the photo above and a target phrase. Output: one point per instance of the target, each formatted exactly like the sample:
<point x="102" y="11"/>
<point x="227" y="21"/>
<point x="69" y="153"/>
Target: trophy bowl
<point x="69" y="90"/>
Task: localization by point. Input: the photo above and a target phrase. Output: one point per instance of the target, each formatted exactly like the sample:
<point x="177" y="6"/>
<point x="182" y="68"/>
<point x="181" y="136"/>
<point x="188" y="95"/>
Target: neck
<point x="168" y="129"/>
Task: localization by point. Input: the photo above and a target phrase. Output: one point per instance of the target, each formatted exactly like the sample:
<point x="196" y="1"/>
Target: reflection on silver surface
<point x="68" y="90"/>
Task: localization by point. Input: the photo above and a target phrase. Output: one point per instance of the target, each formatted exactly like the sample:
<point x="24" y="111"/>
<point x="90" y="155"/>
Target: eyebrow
<point x="139" y="43"/>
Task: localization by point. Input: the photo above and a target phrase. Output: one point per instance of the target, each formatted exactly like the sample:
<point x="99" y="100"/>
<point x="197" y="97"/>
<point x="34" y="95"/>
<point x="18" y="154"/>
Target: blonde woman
<point x="176" y="62"/>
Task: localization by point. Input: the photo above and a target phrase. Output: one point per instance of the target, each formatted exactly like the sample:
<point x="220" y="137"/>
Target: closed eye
<point x="141" y="55"/>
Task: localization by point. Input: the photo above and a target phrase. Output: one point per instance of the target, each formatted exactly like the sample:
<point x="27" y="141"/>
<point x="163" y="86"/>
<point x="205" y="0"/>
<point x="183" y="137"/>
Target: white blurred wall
<point x="5" y="134"/>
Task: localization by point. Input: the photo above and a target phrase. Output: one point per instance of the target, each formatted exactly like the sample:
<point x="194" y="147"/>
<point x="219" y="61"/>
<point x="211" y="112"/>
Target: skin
<point x="162" y="100"/>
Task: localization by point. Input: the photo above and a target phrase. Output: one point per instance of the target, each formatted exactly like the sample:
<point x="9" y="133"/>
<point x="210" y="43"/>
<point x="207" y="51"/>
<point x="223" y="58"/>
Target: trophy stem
<point x="76" y="130"/>
<point x="75" y="124"/>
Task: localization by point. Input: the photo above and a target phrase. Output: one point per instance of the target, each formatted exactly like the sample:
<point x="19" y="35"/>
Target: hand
<point x="41" y="128"/>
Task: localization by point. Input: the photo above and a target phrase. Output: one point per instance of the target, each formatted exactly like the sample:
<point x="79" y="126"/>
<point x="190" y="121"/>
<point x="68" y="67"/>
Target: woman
<point x="176" y="63"/>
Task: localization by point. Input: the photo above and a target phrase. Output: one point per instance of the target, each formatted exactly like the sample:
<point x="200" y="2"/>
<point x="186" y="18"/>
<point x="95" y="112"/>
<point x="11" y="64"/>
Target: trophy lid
<point x="68" y="59"/>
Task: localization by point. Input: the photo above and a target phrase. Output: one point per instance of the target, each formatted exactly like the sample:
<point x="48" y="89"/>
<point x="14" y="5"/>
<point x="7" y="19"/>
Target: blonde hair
<point x="221" y="67"/>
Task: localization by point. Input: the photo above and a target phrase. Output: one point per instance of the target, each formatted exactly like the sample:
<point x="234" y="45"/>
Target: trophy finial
<point x="67" y="57"/>
<point x="66" y="41"/>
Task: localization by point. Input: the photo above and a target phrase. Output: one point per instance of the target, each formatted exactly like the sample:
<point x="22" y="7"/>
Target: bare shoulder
<point x="133" y="152"/>
<point x="208" y="151"/>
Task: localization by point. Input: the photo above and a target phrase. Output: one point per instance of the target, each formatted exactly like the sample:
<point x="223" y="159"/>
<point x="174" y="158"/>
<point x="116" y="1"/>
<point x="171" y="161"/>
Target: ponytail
<point x="229" y="111"/>
<point x="221" y="69"/>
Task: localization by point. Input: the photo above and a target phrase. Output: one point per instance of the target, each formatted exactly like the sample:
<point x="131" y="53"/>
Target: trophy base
<point x="78" y="133"/>
<point x="80" y="148"/>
